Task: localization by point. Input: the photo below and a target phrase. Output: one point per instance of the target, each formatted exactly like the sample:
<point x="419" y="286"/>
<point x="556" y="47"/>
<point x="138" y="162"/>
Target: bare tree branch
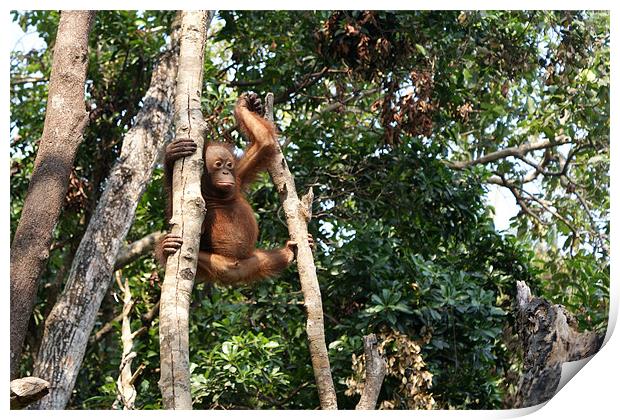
<point x="499" y="180"/>
<point x="137" y="249"/>
<point x="20" y="80"/>
<point x="298" y="213"/>
<point x="516" y="151"/>
<point x="124" y="383"/>
<point x="516" y="190"/>
<point x="187" y="216"/>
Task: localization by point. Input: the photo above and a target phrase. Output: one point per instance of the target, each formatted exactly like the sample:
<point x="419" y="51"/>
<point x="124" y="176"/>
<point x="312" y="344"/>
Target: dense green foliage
<point x="372" y="106"/>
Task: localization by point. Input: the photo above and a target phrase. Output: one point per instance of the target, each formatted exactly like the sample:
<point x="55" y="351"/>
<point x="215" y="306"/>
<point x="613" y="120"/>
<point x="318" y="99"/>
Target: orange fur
<point x="229" y="233"/>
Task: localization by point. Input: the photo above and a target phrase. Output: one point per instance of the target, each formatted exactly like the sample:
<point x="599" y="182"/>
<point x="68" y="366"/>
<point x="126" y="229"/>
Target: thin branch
<point x="338" y="104"/>
<point x="333" y="107"/>
<point x="126" y="392"/>
<point x="245" y="83"/>
<point x="551" y="211"/>
<point x="601" y="236"/>
<point x="564" y="162"/>
<point x="137" y="249"/>
<point x="151" y="314"/>
<point x="279" y="403"/>
<point x="147" y="320"/>
<point x="137" y="373"/>
<point x="306" y="80"/>
<point x="516" y="151"/>
<point x="107" y="327"/>
<point x="499" y="180"/>
<point x="20" y="80"/>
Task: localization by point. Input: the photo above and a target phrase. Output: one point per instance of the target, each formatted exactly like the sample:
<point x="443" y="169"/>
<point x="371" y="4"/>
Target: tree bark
<point x="25" y="391"/>
<point x="65" y="120"/>
<point x="375" y="373"/>
<point x="298" y="213"/>
<point x="71" y="321"/>
<point x="550" y="338"/>
<point x="517" y="151"/>
<point x="188" y="211"/>
<point x="124" y="383"/>
<point x="137" y="249"/>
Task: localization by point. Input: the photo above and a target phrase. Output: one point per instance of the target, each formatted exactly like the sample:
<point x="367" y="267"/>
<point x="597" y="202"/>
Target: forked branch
<point x="298" y="215"/>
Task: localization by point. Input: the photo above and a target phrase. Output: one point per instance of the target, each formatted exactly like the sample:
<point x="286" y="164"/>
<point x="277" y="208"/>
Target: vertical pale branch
<point x="298" y="213"/>
<point x="124" y="383"/>
<point x="187" y="216"/>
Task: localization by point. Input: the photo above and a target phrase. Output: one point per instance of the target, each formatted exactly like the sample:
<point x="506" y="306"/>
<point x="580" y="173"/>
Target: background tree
<point x="64" y="125"/>
<point x="71" y="320"/>
<point x="402" y="123"/>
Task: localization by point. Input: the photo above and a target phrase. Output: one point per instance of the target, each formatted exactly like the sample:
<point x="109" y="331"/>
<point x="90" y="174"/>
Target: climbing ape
<point x="229" y="232"/>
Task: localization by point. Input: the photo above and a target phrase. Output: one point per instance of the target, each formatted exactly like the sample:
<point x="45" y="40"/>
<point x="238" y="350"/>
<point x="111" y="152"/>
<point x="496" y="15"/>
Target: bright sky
<point x="505" y="206"/>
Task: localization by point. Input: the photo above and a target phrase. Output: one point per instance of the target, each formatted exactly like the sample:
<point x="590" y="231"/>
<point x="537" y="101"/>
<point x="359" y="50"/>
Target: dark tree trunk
<point x="71" y="321"/>
<point x="65" y="119"/>
<point x="550" y="338"/>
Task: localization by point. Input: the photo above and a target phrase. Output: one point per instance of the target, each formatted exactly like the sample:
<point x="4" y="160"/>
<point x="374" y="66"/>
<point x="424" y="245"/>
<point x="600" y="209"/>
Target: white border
<point x="593" y="393"/>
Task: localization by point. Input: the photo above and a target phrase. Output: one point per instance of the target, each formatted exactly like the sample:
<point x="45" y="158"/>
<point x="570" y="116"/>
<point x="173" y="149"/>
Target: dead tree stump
<point x="549" y="337"/>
